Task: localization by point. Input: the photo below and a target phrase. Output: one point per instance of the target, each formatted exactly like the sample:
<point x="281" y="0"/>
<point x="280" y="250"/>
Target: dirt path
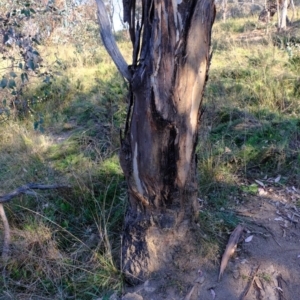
<point x="265" y="268"/>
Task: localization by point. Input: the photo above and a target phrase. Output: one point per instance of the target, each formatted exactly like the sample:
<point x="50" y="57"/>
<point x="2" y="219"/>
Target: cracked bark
<point x="171" y="57"/>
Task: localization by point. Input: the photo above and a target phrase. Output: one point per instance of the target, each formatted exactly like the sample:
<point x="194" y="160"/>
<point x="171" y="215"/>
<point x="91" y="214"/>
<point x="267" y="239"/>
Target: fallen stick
<point x="25" y="189"/>
<point x="250" y="283"/>
<point x="280" y="287"/>
<point x="230" y="248"/>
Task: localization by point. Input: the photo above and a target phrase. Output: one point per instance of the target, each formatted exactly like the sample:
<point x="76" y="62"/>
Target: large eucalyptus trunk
<point x="171" y="57"/>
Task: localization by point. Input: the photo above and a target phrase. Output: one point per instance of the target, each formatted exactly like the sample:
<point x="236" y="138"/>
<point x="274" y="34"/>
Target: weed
<point x="266" y="277"/>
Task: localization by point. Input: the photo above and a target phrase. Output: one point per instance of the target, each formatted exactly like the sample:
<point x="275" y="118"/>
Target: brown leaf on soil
<point x="258" y="283"/>
<point x="230" y="248"/>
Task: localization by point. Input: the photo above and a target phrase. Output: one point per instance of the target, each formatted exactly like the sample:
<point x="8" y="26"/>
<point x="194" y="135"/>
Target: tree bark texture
<point x="171" y="57"/>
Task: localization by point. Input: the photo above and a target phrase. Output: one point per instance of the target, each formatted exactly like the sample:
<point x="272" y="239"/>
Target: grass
<point x="66" y="243"/>
<point x="250" y="128"/>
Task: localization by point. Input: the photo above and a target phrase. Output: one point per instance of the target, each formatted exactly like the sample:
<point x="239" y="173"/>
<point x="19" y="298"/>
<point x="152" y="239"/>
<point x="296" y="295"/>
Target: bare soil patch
<point x="266" y="267"/>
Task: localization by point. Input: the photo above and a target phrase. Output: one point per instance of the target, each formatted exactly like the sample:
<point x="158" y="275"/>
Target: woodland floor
<point x="268" y="266"/>
<point x="60" y="243"/>
<point x="265" y="268"/>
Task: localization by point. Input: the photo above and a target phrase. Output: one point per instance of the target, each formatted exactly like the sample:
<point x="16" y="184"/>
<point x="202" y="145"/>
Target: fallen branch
<point x="280" y="280"/>
<point x="230" y="248"/>
<point x="25" y="189"/>
<point x="250" y="283"/>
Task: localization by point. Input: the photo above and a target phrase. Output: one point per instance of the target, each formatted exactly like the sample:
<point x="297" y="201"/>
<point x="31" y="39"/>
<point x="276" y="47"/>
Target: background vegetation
<point x="65" y="243"/>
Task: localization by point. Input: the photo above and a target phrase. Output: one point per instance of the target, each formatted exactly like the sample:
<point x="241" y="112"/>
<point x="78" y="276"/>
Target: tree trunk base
<point x="149" y="244"/>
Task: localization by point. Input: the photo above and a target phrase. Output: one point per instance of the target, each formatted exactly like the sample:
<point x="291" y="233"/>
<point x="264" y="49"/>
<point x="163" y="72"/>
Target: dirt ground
<point x="265" y="266"/>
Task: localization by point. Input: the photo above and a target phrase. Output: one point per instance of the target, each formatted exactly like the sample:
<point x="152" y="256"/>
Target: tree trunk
<point x="283" y="5"/>
<point x="224" y="10"/>
<point x="171" y="56"/>
<point x="293" y="9"/>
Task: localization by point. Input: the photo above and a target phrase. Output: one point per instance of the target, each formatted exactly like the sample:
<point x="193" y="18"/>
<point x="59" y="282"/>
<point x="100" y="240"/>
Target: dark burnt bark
<point x="171" y="56"/>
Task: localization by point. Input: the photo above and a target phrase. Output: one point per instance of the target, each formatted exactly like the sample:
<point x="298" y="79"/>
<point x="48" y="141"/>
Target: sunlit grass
<point x="66" y="243"/>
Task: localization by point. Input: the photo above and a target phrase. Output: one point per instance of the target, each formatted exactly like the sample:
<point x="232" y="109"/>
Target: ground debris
<point x="132" y="296"/>
<point x="230" y="248"/>
<point x="250" y="283"/>
<point x="280" y="290"/>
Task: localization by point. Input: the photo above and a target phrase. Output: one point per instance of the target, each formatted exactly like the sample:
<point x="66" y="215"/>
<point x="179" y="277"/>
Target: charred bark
<point x="171" y="56"/>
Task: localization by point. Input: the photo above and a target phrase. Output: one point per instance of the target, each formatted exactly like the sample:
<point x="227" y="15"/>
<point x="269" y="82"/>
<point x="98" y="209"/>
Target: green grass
<point x="66" y="243"/>
<point x="250" y="127"/>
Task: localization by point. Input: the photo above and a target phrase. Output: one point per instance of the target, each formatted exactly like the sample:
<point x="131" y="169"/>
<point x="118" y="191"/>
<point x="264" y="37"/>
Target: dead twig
<point x="259" y="287"/>
<point x="268" y="230"/>
<point x="189" y="295"/>
<point x="25" y="189"/>
<point x="230" y="248"/>
<point x="250" y="283"/>
<point x="280" y="287"/>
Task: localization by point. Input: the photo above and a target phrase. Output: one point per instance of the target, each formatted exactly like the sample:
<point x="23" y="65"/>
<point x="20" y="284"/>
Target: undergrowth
<point x="66" y="243"/>
<point x="250" y="126"/>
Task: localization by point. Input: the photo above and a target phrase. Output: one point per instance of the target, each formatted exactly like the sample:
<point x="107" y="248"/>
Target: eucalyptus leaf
<point x="3" y="83"/>
<point x="31" y="65"/>
<point x="36" y="41"/>
<point x="24" y="77"/>
<point x="13" y="74"/>
<point x="11" y="84"/>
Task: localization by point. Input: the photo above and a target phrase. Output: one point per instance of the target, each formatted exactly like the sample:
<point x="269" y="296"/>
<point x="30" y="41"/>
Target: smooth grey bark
<point x="170" y="62"/>
<point x="109" y="41"/>
<point x="283" y="14"/>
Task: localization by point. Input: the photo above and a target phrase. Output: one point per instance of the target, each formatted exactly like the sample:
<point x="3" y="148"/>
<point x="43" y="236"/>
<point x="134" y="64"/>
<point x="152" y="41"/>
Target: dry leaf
<point x="213" y="294"/>
<point x="260" y="183"/>
<point x="258" y="283"/>
<point x="230" y="248"/>
<point x="250" y="283"/>
<point x="227" y="150"/>
<point x="249" y="239"/>
<point x="236" y="273"/>
<point x="262" y="192"/>
<point x="277" y="178"/>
